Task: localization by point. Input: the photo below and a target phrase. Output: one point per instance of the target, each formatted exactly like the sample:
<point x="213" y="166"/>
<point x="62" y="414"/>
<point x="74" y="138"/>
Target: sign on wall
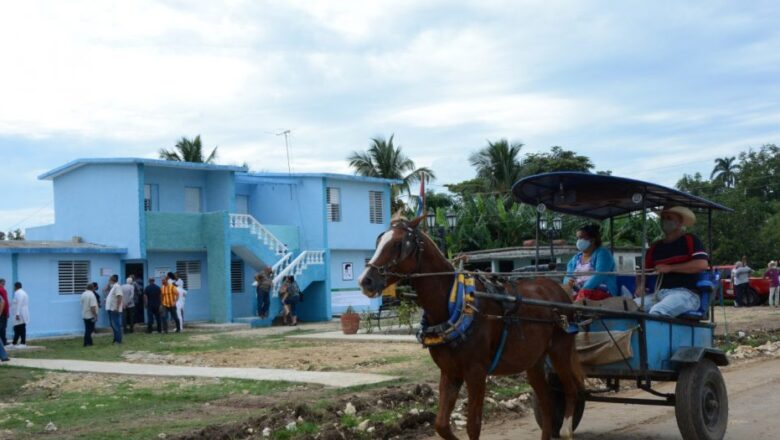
<point x="347" y="272"/>
<point x="106" y="272"/>
<point x="161" y="272"/>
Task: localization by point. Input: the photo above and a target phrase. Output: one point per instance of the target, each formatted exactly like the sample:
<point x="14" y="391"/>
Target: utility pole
<point x="286" y="134"/>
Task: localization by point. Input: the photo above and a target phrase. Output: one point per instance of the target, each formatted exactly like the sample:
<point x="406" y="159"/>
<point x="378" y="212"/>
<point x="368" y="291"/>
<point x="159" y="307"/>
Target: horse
<point x="404" y="250"/>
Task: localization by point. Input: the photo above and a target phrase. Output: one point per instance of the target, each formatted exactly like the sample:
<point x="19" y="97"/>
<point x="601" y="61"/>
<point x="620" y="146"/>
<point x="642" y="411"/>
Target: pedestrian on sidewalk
<point x="89" y="311"/>
<point x="3" y="354"/>
<point x="152" y="295"/>
<point x="5" y="311"/>
<point x="21" y="312"/>
<point x="169" y="297"/>
<point x="773" y="276"/>
<point x="740" y="279"/>
<point x="128" y="297"/>
<point x="264" y="284"/>
<point x="114" y="307"/>
<point x="291" y="296"/>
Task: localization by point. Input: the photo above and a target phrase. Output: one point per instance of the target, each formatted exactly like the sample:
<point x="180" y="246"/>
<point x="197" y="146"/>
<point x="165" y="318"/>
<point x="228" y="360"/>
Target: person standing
<point x="740" y="279"/>
<point x="169" y="297"/>
<point x="774" y="283"/>
<point x="128" y="296"/>
<point x="179" y="283"/>
<point x="152" y="295"/>
<point x="89" y="311"/>
<point x="21" y="312"/>
<point x="4" y="312"/>
<point x="3" y="354"/>
<point x="114" y="307"/>
<point x="291" y="296"/>
<point x="263" y="288"/>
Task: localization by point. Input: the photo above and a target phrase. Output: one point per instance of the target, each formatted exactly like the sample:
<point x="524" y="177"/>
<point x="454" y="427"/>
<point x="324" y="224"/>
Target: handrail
<point x="246" y="221"/>
<point x="304" y="259"/>
<point x="282" y="262"/>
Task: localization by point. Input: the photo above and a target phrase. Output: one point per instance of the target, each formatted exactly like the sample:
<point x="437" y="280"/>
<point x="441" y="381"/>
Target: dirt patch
<point x="57" y="383"/>
<point x="746" y="319"/>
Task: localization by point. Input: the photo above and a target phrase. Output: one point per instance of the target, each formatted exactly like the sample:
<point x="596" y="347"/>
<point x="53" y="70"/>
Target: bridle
<point x="411" y="244"/>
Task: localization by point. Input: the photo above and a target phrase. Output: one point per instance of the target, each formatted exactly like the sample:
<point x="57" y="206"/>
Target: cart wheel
<point x="559" y="406"/>
<point x="702" y="406"/>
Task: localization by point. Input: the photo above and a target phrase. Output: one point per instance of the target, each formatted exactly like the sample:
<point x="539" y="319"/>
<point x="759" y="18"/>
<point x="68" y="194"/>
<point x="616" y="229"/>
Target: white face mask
<point x="583" y="244"/>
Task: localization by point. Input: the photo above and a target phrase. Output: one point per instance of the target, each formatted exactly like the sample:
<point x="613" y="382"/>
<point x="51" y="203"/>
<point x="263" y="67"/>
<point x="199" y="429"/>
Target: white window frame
<point x="190" y="272"/>
<point x="72" y="276"/>
<point x="237" y="284"/>
<point x="375" y="207"/>
<point x="188" y="197"/>
<point x="333" y="201"/>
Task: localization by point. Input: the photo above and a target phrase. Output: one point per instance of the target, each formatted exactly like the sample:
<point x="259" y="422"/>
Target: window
<point x="333" y="196"/>
<point x="73" y="276"/>
<point x="237" y="276"/>
<point x="189" y="272"/>
<point x="242" y="204"/>
<point x="191" y="199"/>
<point x="375" y="207"/>
<point x="150" y="197"/>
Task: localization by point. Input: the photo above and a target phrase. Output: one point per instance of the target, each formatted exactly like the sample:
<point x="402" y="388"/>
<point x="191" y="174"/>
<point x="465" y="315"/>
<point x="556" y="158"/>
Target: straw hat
<point x="772" y="263"/>
<point x="688" y="217"/>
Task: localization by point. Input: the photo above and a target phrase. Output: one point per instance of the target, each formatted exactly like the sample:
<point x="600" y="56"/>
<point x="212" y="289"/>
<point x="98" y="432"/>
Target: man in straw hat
<point x="679" y="258"/>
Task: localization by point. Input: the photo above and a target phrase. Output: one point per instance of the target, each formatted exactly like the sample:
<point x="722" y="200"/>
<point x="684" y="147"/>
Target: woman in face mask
<point x="592" y="257"/>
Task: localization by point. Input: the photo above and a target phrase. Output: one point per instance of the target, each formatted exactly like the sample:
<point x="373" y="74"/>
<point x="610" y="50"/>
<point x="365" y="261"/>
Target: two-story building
<point x="214" y="225"/>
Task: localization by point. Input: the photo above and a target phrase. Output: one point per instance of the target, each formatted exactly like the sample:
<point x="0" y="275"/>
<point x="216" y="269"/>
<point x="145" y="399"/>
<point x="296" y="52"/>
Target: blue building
<point x="215" y="225"/>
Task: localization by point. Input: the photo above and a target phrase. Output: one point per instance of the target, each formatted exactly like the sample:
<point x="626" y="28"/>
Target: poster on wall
<point x="161" y="272"/>
<point x="106" y="272"/>
<point x="346" y="272"/>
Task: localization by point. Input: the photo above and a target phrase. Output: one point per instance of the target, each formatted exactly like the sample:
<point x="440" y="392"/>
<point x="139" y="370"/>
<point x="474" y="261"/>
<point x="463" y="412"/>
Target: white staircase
<point x="246" y="221"/>
<point x="297" y="266"/>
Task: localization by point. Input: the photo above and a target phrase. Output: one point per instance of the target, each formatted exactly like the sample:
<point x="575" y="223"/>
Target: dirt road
<point x="753" y="403"/>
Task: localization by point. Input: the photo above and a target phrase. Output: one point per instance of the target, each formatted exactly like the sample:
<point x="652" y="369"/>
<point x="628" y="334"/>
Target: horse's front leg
<point x="449" y="387"/>
<point x="475" y="382"/>
<point x="541" y="388"/>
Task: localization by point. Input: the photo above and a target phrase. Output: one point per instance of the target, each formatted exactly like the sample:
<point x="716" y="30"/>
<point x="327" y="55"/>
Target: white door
<point x="242" y="204"/>
<point x="191" y="199"/>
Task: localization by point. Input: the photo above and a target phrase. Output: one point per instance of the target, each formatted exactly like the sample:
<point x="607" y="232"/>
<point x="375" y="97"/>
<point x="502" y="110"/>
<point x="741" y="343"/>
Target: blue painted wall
<point x="345" y="292"/>
<point x="217" y="188"/>
<point x="99" y="203"/>
<point x="45" y="232"/>
<point x="355" y="231"/>
<point x="50" y="312"/>
<point x="196" y="306"/>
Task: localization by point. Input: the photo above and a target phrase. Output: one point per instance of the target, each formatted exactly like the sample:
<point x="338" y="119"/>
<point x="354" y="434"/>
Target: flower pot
<point x="350" y="323"/>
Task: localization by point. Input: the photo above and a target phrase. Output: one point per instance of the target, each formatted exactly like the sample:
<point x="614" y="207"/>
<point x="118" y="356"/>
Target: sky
<point x="649" y="90"/>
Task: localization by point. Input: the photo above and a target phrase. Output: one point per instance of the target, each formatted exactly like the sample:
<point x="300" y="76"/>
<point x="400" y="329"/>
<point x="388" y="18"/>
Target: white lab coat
<point x="21" y="307"/>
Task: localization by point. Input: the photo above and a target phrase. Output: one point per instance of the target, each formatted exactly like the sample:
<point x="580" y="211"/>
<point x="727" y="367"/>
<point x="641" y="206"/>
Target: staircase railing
<point x="298" y="265"/>
<point x="282" y="263"/>
<point x="246" y="221"/>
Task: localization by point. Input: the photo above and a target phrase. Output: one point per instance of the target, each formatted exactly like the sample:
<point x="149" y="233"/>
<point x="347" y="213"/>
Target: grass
<point x="122" y="411"/>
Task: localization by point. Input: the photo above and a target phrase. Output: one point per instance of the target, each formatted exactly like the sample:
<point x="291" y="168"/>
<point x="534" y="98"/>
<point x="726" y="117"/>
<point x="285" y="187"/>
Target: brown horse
<point x="404" y="249"/>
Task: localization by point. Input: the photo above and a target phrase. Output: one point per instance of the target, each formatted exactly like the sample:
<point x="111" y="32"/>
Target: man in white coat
<point x="21" y="314"/>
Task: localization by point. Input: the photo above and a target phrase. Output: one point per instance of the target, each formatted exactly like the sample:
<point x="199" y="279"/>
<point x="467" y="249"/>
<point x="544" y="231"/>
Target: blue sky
<point x="648" y="90"/>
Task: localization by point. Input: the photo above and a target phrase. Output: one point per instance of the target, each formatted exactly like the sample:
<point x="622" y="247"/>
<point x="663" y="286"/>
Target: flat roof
<point x="78" y="163"/>
<point x="334" y="176"/>
<point x="55" y="247"/>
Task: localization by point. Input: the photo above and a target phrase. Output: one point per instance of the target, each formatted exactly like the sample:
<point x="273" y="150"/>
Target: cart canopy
<point x="599" y="196"/>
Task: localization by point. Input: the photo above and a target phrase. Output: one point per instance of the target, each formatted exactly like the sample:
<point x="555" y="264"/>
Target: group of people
<point x="678" y="258"/>
<point x="289" y="292"/>
<point x="162" y="303"/>
<point x="17" y="309"/>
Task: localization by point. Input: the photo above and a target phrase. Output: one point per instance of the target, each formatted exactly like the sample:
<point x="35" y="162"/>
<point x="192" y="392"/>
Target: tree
<point x="383" y="159"/>
<point x="15" y="235"/>
<point x="725" y="171"/>
<point x="188" y="151"/>
<point x="557" y="159"/>
<point x="2" y="236"/>
<point x="497" y="165"/>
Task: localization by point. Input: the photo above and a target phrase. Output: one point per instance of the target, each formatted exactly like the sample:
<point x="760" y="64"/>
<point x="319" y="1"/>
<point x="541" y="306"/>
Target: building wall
<point x="50" y="312"/>
<point x="347" y="292"/>
<point x="196" y="305"/>
<point x="216" y="187"/>
<point x="99" y="203"/>
<point x="355" y="231"/>
<point x="45" y="232"/>
<point x="6" y="271"/>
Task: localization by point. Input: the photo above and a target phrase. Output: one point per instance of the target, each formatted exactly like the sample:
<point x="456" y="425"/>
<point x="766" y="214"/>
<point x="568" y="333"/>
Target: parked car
<point x="757" y="293"/>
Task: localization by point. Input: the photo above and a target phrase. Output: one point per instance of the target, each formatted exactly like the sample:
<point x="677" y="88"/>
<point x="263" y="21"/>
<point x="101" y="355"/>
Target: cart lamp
<point x="452" y="219"/>
<point x="557" y="223"/>
<point x="543" y="224"/>
<point x="431" y="219"/>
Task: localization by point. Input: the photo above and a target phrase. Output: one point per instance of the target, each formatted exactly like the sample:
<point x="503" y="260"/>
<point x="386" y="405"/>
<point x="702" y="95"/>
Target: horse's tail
<point x="576" y="367"/>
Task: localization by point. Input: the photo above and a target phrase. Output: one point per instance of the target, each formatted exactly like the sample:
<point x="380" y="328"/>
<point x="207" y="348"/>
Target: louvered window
<point x="375" y="207"/>
<point x="333" y="196"/>
<point x="73" y="276"/>
<point x="189" y="272"/>
<point x="192" y="199"/>
<point x="237" y="276"/>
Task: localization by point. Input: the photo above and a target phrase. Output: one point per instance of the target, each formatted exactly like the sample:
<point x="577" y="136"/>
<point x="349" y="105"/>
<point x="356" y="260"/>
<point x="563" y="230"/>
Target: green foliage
<point x="383" y="159"/>
<point x="498" y="165"/>
<point x="557" y="159"/>
<point x="187" y="150"/>
<point x="407" y="313"/>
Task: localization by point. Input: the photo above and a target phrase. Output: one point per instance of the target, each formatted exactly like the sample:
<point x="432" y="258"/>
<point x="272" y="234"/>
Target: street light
<point x="551" y="229"/>
<point x="452" y="219"/>
<point x="431" y="219"/>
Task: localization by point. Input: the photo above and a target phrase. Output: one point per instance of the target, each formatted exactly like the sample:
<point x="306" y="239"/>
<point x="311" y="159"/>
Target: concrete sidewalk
<point x="331" y="379"/>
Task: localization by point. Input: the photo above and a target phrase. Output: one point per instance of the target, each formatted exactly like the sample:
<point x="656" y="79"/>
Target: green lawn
<point x="121" y="410"/>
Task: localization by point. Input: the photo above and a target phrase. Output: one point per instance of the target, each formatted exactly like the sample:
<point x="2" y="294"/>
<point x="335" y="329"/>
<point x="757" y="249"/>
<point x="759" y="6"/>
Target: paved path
<point x="332" y="379"/>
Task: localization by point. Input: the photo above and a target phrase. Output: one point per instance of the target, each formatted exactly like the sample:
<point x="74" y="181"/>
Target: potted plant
<point x="350" y="321"/>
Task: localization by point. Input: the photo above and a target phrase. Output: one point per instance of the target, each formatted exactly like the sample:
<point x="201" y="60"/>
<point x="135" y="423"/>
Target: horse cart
<point x="477" y="324"/>
<point x="657" y="348"/>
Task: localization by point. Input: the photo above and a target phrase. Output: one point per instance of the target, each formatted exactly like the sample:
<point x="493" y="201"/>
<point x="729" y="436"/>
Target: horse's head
<point x="398" y="251"/>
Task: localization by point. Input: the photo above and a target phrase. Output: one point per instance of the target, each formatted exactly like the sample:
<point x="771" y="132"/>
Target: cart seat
<point x="705" y="286"/>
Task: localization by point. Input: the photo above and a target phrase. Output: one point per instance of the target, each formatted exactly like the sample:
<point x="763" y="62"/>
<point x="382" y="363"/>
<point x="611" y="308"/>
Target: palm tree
<point x="188" y="151"/>
<point x="385" y="160"/>
<point x="725" y="171"/>
<point x="497" y="165"/>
